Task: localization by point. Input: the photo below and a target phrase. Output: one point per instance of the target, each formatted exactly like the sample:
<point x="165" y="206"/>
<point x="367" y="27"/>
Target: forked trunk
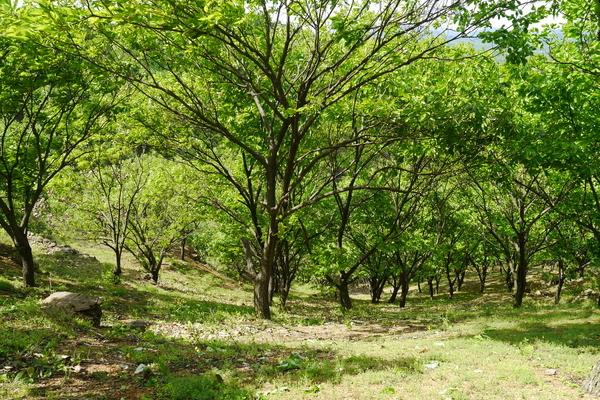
<point x="376" y="285"/>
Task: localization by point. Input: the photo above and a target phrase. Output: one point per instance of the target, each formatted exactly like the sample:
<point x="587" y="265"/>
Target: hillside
<point x="202" y="341"/>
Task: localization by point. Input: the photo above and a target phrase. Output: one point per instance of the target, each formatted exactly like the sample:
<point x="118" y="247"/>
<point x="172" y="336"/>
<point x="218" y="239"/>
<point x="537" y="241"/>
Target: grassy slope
<point x="204" y="331"/>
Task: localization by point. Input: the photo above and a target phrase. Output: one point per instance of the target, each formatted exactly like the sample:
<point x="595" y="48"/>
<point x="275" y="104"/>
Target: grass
<point x="205" y="343"/>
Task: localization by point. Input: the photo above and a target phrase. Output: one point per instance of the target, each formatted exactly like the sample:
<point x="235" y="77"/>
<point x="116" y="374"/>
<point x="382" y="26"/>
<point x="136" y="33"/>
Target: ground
<point x="203" y="341"/>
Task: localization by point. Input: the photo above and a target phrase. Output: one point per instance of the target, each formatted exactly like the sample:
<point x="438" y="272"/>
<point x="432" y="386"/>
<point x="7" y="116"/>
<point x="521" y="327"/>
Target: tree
<point x="514" y="210"/>
<point x="111" y="195"/>
<point x="51" y="104"/>
<point x="161" y="214"/>
<point x="253" y="80"/>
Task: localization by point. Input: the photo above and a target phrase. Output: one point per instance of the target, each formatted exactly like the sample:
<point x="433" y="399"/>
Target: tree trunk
<point x="404" y="292"/>
<point x="155" y="267"/>
<point x="117" y="271"/>
<point x="182" y="251"/>
<point x="284" y="293"/>
<point x="521" y="275"/>
<point x="154" y="274"/>
<point x="482" y="274"/>
<point x="561" y="281"/>
<point x="419" y="286"/>
<point x="437" y="284"/>
<point x="395" y="289"/>
<point x="262" y="282"/>
<point x="460" y="279"/>
<point x="509" y="279"/>
<point x="26" y="256"/>
<point x="430" y="284"/>
<point x="261" y="296"/>
<point x="592" y="383"/>
<point x="376" y="286"/>
<point x="273" y="288"/>
<point x="450" y="282"/>
<point x="345" y="300"/>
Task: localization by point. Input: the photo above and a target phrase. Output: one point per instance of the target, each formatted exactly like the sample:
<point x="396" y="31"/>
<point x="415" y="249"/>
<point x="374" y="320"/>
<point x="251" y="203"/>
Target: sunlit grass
<point x="204" y="337"/>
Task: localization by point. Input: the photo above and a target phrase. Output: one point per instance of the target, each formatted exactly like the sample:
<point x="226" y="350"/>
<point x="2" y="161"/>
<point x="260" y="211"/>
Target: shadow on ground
<point x="109" y="372"/>
<point x="575" y="335"/>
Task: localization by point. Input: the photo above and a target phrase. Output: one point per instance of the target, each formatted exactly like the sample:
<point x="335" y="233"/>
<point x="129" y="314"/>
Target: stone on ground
<point x="76" y="303"/>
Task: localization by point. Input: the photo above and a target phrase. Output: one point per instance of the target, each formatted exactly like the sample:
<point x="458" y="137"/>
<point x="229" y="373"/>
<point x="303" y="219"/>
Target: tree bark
<point x="482" y="272"/>
<point x="263" y="278"/>
<point x="26" y="256"/>
<point x="592" y="383"/>
<point x="460" y="279"/>
<point x="284" y="293"/>
<point x="404" y="292"/>
<point x="154" y="274"/>
<point x="345" y="300"/>
<point x="430" y="284"/>
<point x="376" y="285"/>
<point x="261" y="296"/>
<point x="521" y="280"/>
<point x="450" y="289"/>
<point x="395" y="289"/>
<point x="117" y="271"/>
<point x="561" y="281"/>
<point x="509" y="279"/>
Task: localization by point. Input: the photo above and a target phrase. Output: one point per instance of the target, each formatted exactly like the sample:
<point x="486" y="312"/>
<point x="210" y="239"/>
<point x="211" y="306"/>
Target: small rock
<point x="139" y="324"/>
<point x="551" y="371"/>
<point x="432" y="365"/>
<point x="141" y="369"/>
<point x="77" y="369"/>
